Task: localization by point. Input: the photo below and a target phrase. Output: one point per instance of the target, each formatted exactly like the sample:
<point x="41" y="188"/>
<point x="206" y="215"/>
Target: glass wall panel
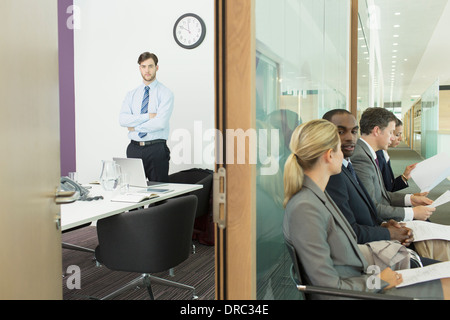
<point x="302" y="71"/>
<point x="370" y="85"/>
<point x="430" y="121"/>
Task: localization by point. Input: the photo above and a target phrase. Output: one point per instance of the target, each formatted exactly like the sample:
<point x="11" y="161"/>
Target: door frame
<point x="235" y="109"/>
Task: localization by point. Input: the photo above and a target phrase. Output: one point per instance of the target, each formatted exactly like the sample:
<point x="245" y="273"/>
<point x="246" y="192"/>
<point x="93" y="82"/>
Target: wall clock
<point x="189" y="31"/>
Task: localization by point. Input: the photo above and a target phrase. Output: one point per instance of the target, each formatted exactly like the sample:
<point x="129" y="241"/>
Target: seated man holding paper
<point x="377" y="126"/>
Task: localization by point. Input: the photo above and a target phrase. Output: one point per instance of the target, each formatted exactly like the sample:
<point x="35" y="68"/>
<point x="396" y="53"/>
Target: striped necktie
<point x="144" y="108"/>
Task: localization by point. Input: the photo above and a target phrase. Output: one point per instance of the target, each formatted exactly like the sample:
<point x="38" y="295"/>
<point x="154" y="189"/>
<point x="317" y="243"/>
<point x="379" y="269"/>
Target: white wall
<point x="112" y="34"/>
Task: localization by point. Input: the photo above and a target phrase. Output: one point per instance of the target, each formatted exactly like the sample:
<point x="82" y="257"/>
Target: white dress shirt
<point x="161" y="101"/>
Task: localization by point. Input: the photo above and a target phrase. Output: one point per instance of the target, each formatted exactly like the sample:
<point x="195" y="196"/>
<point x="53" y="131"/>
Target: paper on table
<point x="444" y="198"/>
<point x="431" y="272"/>
<point x="424" y="230"/>
<point x="430" y="172"/>
<point x="133" y="197"/>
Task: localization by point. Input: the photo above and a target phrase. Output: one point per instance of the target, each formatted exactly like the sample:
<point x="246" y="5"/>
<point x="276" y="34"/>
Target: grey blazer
<point x="324" y="240"/>
<point x="390" y="205"/>
<point x="326" y="245"/>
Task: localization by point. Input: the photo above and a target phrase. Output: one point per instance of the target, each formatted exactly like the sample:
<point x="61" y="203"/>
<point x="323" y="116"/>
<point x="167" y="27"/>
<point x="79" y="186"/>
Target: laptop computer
<point x="135" y="170"/>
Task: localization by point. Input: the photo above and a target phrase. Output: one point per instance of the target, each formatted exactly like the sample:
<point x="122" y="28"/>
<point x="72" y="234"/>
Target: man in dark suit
<point x="351" y="196"/>
<point x="390" y="182"/>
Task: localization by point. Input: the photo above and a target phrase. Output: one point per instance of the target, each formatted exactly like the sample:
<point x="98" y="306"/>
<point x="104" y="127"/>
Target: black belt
<point x="147" y="143"/>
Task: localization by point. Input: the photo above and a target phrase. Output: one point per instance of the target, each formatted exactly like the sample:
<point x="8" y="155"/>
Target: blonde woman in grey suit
<point x="314" y="225"/>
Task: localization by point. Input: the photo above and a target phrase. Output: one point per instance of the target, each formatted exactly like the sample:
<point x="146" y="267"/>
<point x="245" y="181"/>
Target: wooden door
<point x="30" y="246"/>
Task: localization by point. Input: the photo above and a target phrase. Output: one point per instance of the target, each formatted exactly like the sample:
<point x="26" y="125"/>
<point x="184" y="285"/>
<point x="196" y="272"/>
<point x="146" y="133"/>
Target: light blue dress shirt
<point x="160" y="102"/>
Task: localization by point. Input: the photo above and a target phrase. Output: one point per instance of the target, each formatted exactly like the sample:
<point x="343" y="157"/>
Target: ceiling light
<point x="396" y="36"/>
<point x="394" y="56"/>
<point x="405" y="59"/>
<point x="397" y="13"/>
<point x="394" y="51"/>
<point x="396" y="26"/>
<point x="395" y="44"/>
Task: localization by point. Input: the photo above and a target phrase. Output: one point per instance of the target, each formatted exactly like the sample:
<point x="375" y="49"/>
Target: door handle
<point x="65" y="197"/>
<point x="219" y="198"/>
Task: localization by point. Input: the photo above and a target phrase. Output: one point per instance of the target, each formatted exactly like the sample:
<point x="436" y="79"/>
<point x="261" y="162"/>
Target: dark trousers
<point x="155" y="158"/>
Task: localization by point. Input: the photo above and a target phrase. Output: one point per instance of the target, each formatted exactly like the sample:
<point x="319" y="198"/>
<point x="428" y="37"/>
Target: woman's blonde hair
<point x="308" y="142"/>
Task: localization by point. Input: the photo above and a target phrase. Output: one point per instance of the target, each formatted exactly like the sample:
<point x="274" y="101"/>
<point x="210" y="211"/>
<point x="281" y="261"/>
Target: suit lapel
<point x="359" y="187"/>
<point x="391" y="173"/>
<point x="380" y="178"/>
<point x="343" y="222"/>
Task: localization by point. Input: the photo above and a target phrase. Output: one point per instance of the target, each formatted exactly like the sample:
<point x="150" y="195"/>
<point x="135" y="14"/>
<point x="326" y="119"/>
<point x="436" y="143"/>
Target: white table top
<point x="81" y="212"/>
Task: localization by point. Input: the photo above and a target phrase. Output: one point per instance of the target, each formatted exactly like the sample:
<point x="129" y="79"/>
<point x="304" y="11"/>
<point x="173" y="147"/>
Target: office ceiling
<point x="414" y="46"/>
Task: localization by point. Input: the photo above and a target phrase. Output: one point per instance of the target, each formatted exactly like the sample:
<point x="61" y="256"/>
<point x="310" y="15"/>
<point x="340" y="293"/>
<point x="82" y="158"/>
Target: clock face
<point x="189" y="31"/>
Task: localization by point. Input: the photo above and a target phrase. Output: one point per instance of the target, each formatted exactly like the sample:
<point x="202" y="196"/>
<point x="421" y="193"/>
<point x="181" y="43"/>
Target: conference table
<point x="83" y="212"/>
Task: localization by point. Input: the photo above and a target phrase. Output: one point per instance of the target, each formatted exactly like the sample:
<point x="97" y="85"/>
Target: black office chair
<point x="302" y="283"/>
<point x="147" y="241"/>
<point x="196" y="176"/>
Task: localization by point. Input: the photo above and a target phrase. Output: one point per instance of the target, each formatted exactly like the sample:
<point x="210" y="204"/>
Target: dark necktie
<point x="352" y="171"/>
<point x="144" y="108"/>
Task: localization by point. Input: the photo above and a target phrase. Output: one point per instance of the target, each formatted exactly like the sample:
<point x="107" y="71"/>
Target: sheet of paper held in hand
<point x="424" y="230"/>
<point x="444" y="198"/>
<point x="431" y="272"/>
<point x="432" y="171"/>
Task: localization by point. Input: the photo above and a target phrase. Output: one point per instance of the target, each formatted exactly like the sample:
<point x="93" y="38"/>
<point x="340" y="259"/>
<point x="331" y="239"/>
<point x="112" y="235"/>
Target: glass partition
<point x="302" y="71"/>
<point x="430" y="121"/>
<point x="370" y="84"/>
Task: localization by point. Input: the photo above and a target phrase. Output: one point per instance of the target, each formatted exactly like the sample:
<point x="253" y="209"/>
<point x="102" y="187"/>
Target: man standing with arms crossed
<point x="146" y="112"/>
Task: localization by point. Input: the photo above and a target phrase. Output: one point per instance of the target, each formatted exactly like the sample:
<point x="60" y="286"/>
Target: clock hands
<point x="182" y="27"/>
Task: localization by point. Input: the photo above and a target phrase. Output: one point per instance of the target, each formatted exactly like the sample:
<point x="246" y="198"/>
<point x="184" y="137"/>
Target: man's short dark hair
<point x="329" y="115"/>
<point x="375" y="117"/>
<point x="399" y="123"/>
<point x="147" y="55"/>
